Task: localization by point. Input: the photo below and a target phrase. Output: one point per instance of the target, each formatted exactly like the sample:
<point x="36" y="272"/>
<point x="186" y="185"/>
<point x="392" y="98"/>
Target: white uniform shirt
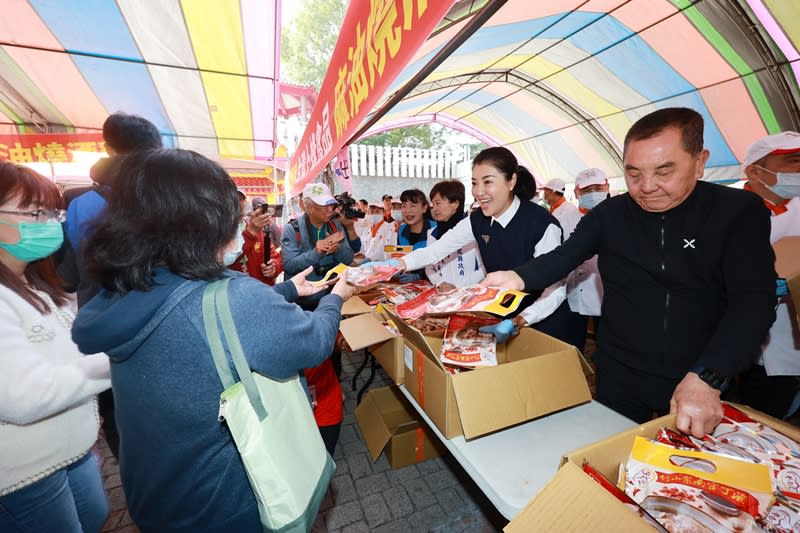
<point x="780" y="355"/>
<point x="584" y="286"/>
<point x="568" y="216"/>
<point x="461" y="235"/>
<point x="374" y="238"/>
<point x="461" y="268"/>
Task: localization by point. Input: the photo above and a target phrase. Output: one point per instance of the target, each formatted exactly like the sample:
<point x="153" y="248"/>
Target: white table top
<point x="512" y="465"/>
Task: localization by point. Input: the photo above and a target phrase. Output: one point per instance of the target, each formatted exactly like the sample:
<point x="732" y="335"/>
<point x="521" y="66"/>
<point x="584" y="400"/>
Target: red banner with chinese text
<point x="377" y="39"/>
<point x="48" y="147"/>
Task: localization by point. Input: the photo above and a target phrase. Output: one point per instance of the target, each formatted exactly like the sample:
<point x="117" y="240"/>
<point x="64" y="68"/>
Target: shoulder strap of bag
<point x="215" y="298"/>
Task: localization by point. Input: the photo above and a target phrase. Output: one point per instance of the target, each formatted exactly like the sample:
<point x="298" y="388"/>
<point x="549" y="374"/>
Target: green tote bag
<point x="272" y="425"/>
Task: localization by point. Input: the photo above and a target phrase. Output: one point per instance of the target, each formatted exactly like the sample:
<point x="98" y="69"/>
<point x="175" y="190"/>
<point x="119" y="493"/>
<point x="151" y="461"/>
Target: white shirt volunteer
<point x="374" y="238"/>
<point x="780" y="356"/>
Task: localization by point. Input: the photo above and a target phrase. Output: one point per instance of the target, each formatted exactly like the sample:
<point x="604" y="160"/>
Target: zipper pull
<point x="221" y="414"/>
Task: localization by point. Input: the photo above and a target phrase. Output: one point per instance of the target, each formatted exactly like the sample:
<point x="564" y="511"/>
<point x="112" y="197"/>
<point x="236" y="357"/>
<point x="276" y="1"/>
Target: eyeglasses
<point x="41" y="215"/>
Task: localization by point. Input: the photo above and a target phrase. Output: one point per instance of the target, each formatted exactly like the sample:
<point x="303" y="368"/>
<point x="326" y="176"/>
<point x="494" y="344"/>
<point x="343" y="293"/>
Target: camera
<point x="347" y="204"/>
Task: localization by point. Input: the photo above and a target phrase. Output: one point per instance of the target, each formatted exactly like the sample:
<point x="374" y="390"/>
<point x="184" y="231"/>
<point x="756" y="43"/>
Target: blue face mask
<point x="231" y="255"/>
<point x="788" y="185"/>
<point x="590" y="200"/>
<point x="36" y="240"/>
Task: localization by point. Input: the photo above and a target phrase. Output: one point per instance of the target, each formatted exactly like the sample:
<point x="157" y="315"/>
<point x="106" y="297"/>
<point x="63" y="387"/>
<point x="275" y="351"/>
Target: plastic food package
<point x="464" y="345"/>
<point x="696" y="491"/>
<point x="466" y="299"/>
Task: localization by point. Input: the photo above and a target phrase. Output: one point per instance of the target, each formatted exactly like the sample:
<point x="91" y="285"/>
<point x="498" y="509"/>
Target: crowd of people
<point x="677" y="275"/>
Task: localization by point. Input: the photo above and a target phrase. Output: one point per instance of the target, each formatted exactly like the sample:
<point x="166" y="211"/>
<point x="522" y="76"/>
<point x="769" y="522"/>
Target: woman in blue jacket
<point x="170" y="229"/>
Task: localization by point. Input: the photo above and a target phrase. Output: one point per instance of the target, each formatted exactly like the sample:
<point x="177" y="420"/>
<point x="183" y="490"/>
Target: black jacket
<point x="693" y="285"/>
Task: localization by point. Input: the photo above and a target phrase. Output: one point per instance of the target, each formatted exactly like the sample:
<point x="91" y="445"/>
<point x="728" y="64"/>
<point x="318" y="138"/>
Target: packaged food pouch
<point x="687" y="490"/>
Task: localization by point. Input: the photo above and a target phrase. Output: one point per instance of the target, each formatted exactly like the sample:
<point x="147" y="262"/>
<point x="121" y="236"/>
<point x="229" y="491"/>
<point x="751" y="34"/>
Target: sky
<point x="288" y="10"/>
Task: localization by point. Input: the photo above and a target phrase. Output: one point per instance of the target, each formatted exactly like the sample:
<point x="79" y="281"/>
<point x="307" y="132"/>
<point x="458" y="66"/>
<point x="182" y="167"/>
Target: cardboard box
<point x="355" y="306"/>
<point x="787" y="265"/>
<point x="572" y="501"/>
<point x="390" y="356"/>
<point x="366" y="330"/>
<point x="536" y="375"/>
<point x="388" y="422"/>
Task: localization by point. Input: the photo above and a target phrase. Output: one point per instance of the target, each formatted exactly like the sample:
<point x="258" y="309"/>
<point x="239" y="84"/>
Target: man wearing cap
<point x="271" y="229"/>
<point x="387" y="207"/>
<point x="772" y="169"/>
<point x="259" y="258"/>
<point x="688" y="276"/>
<point x="584" y="286"/>
<point x="566" y="213"/>
<point x="314" y="239"/>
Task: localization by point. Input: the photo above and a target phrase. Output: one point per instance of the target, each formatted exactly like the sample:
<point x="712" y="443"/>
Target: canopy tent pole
<point x="464" y="33"/>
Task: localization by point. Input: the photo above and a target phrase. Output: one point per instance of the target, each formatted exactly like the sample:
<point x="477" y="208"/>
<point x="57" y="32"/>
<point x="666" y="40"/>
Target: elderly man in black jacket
<point x="688" y="273"/>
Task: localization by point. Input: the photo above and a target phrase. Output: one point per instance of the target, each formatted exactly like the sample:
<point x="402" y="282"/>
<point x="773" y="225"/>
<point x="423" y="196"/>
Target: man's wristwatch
<point x="711" y="378"/>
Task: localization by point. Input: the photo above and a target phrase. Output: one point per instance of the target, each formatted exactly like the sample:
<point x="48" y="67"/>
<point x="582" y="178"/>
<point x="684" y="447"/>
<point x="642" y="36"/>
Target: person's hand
<point x="505" y="279"/>
<point x="697" y="405"/>
<point x="392" y="263"/>
<point x="258" y="221"/>
<point x="342" y="288"/>
<point x="502" y="330"/>
<point x="781" y="288"/>
<point x="348" y="223"/>
<point x="323" y="246"/>
<point x="303" y="286"/>
<point x="269" y="269"/>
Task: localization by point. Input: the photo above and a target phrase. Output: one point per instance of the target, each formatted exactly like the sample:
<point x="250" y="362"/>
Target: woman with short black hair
<point x="170" y="229"/>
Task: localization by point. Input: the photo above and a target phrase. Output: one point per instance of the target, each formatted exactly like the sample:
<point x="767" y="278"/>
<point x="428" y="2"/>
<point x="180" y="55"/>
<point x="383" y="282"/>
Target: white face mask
<point x="397" y="216"/>
<point x="788" y="185"/>
<point x="590" y="200"/>
<point x="374" y="219"/>
<point x="231" y="255"/>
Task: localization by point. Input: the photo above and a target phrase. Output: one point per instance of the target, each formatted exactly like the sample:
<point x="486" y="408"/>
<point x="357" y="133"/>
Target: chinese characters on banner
<point x="48" y="148"/>
<point x="377" y="39"/>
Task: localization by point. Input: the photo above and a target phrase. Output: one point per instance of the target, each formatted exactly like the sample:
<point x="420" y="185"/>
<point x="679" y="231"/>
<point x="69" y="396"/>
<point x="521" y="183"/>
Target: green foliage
<point x="307" y="44"/>
<point x="426" y="136"/>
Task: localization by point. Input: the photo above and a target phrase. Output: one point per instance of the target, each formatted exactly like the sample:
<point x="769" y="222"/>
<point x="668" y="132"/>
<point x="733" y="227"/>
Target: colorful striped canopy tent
<point x="203" y="71"/>
<point x="559" y="82"/>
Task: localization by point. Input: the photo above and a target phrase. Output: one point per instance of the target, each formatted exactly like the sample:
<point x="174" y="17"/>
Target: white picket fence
<point x="395" y="162"/>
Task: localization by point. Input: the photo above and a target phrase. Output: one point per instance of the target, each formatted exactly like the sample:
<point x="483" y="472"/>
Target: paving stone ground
<point x="436" y="496"/>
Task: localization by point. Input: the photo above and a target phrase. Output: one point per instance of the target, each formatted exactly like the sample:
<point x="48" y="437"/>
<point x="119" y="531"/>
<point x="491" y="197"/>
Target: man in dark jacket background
<point x="123" y="134"/>
<point x="688" y="273"/>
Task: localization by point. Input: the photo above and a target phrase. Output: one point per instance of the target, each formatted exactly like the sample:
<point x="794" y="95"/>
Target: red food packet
<point x="465" y="345"/>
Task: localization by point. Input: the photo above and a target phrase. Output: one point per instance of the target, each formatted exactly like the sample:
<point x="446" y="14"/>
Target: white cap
<point x="375" y="203"/>
<point x="786" y="142"/>
<point x="319" y="193"/>
<point x="556" y="184"/>
<point x="590" y="176"/>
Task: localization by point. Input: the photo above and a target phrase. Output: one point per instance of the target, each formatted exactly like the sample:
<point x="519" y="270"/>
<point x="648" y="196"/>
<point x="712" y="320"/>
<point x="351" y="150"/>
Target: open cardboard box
<point x="787" y="265"/>
<point x="365" y="330"/>
<point x="388" y="422"/>
<point x="572" y="501"/>
<point x="536" y="375"/>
